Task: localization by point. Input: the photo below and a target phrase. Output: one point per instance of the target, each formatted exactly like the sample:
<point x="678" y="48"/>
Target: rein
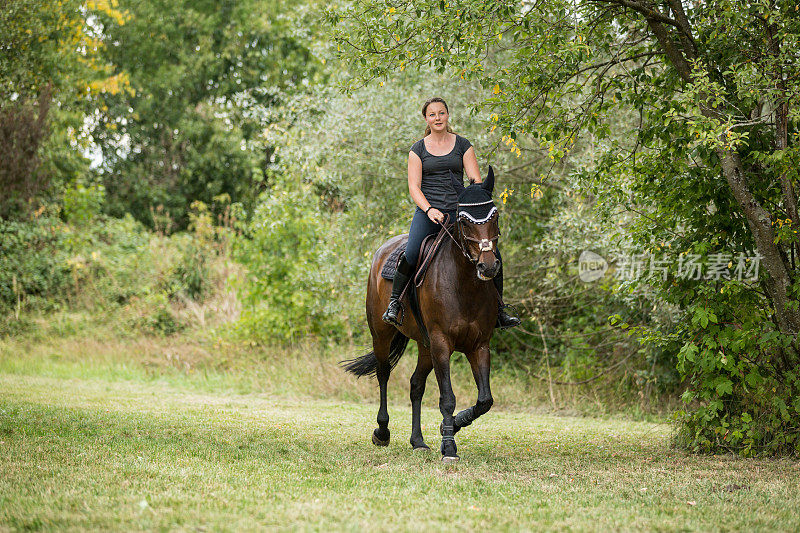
<point x="456" y="241"/>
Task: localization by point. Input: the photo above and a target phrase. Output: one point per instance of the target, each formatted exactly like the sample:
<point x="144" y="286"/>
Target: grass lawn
<point x="125" y="454"/>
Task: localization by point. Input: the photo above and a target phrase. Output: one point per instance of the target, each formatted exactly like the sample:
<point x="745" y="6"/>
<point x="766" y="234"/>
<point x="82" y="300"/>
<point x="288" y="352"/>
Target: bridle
<point x="484" y="245"/>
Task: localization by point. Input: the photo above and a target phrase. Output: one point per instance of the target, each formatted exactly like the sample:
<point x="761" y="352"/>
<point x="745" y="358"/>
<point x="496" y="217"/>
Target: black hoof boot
<point x="394" y="314"/>
<point x="449" y="454"/>
<point x="505" y="320"/>
<point x="463" y="419"/>
<point x="449" y="450"/>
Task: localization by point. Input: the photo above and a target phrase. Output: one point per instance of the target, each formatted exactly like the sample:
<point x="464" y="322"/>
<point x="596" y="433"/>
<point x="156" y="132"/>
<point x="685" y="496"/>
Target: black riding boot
<point x="394" y="314"/>
<point x="504" y="320"/>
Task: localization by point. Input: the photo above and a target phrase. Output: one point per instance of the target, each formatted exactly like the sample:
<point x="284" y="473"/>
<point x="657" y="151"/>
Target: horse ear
<point x="488" y="183"/>
<point x="458" y="184"/>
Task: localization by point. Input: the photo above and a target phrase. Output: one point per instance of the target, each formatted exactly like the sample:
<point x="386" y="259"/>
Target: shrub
<point x="32" y="263"/>
<point x="743" y="390"/>
<point x="288" y="284"/>
<point x="83" y="202"/>
<point x="104" y="265"/>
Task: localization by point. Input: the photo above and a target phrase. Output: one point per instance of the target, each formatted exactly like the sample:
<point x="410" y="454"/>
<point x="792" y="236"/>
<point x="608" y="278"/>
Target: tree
<point x="50" y="53"/>
<point x="709" y="160"/>
<point x="203" y="76"/>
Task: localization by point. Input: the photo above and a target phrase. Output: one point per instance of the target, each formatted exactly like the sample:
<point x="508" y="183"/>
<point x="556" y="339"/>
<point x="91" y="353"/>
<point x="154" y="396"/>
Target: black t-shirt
<point x="436" y="184"/>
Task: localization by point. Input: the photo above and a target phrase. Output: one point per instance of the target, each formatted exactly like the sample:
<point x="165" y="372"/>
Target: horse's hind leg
<point x="418" y="379"/>
<point x="479" y="360"/>
<point x="380" y="437"/>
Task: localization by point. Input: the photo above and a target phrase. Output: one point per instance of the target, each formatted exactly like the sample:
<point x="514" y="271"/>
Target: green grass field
<point x="110" y="444"/>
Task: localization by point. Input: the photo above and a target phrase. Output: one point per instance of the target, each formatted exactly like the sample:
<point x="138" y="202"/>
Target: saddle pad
<point x="390" y="266"/>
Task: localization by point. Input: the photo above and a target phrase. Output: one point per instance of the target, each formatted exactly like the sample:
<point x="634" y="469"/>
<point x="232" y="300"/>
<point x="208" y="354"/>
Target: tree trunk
<point x="760" y="223"/>
<point x="758" y="219"/>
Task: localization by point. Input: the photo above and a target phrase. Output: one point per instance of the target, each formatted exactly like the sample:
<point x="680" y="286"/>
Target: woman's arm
<point x="414" y="188"/>
<point x="471" y="165"/>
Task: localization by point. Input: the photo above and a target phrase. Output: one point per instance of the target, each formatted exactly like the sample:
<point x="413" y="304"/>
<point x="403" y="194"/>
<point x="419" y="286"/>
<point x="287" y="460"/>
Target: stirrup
<point x="505" y="320"/>
<point x="394" y="313"/>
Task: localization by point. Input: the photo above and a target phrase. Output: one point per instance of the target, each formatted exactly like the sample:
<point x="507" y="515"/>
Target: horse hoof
<point x="450" y="459"/>
<point x="424" y="449"/>
<point x="378" y="442"/>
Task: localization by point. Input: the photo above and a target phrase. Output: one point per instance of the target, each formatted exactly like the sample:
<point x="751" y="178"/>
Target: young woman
<point x="430" y="162"/>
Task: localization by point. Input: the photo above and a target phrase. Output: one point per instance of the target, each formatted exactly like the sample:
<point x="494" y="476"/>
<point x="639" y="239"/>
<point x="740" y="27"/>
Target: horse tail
<point x="367" y="365"/>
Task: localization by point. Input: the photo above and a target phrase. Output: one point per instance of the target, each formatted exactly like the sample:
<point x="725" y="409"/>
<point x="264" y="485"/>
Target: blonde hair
<point x="425" y="110"/>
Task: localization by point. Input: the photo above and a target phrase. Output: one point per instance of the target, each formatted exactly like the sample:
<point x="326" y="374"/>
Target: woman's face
<point x="436" y="116"/>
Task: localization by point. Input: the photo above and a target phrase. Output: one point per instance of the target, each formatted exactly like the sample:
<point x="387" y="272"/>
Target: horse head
<point x="478" y="225"/>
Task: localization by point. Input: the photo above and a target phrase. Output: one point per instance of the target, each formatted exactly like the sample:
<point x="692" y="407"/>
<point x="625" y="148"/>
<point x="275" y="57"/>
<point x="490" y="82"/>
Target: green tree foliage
<point x="50" y="55"/>
<point x="202" y="75"/>
<point x="35" y="35"/>
<point x="708" y="164"/>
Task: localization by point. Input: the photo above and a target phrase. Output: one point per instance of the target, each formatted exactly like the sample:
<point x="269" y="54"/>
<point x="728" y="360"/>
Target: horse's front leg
<point x="480" y="361"/>
<point x="418" y="378"/>
<point x="440" y="355"/>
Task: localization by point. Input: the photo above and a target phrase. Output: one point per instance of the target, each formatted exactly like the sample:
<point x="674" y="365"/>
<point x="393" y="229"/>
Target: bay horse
<point x="458" y="304"/>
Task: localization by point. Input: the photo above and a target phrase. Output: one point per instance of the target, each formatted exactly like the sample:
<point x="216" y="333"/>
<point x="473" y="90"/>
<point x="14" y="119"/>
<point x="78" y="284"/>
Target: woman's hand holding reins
<point x="435" y="215"/>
